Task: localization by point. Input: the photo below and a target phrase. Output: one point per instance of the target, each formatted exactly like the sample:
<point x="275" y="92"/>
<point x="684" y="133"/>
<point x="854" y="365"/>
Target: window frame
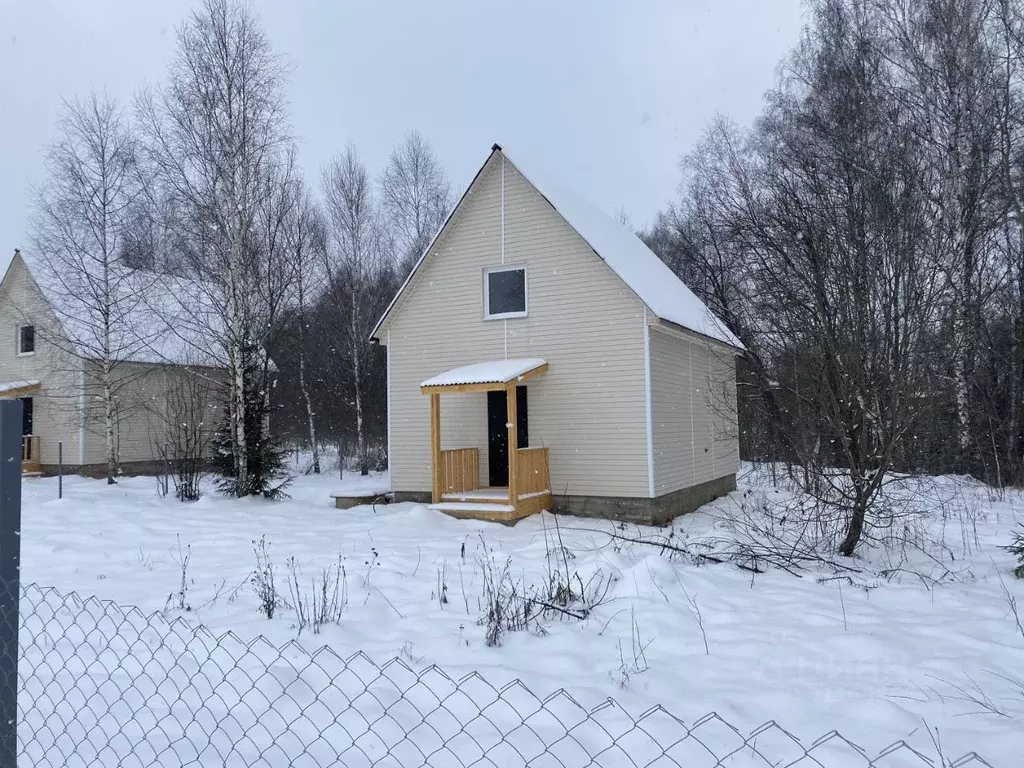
<point x="488" y="271"/>
<point x="19" y="338"/>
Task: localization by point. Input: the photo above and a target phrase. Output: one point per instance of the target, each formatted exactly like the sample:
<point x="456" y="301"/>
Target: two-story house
<point x="59" y="379"/>
<point x="540" y="356"/>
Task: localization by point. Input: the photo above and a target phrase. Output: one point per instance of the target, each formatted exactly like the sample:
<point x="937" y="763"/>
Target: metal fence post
<point x="10" y="587"/>
<point x="60" y="469"/>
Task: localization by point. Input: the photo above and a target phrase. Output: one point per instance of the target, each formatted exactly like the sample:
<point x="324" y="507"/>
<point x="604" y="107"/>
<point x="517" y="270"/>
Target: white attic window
<point x="505" y="292"/>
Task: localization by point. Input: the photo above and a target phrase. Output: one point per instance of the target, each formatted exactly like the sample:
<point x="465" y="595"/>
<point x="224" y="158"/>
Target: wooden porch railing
<point x="460" y="470"/>
<point x="30" y="457"/>
<point x="532" y="468"/>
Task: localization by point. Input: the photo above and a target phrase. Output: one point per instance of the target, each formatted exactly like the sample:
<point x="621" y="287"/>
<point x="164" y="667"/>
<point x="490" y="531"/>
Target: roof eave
<point x="667" y="325"/>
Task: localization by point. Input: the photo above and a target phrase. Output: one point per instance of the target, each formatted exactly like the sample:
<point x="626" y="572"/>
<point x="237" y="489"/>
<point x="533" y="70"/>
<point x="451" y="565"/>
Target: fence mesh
<point x="101" y="685"/>
<point x="39" y="490"/>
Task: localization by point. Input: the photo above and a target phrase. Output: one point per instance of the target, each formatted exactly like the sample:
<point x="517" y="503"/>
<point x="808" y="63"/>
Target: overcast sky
<point x="605" y="95"/>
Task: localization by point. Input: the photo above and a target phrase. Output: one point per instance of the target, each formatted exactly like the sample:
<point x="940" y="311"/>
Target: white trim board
<point x="387" y="404"/>
<point x="647" y="405"/>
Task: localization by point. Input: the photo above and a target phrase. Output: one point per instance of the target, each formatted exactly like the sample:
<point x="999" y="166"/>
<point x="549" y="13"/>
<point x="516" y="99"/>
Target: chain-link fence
<point x="101" y="685"/>
<point x="61" y="481"/>
<point x="39" y="490"/>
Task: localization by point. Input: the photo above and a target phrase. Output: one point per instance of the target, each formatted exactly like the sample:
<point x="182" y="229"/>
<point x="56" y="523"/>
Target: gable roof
<point x="657" y="286"/>
<point x="154" y="325"/>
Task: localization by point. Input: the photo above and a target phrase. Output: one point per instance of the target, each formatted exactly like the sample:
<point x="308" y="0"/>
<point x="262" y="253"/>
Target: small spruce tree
<point x="265" y="453"/>
<point x="1016" y="547"/>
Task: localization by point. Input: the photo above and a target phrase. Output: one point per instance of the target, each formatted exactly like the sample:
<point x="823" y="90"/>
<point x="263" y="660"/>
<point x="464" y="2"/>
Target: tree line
<point x="271" y="279"/>
<point x="863" y="238"/>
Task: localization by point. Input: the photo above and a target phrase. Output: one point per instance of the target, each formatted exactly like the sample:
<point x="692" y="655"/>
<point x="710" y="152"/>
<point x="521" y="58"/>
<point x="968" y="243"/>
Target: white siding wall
<point x="589" y="409"/>
<point x="56" y="406"/>
<point x="141" y="428"/>
<point x="693" y="411"/>
<point x="140" y="391"/>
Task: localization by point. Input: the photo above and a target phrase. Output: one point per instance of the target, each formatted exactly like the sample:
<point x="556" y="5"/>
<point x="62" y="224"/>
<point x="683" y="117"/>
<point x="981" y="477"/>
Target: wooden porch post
<point x="435" y="449"/>
<point x="513" y="448"/>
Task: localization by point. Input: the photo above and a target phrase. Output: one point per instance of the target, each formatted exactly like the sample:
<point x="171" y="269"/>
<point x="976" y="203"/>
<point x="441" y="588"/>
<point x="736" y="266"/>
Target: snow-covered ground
<point x="886" y="652"/>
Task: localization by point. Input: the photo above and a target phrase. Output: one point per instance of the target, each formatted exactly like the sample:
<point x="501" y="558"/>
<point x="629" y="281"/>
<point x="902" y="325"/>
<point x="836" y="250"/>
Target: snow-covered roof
<point x="657" y="286"/>
<point x="161" y="319"/>
<point x="638" y="266"/>
<point x="492" y="372"/>
<point x="16" y="386"/>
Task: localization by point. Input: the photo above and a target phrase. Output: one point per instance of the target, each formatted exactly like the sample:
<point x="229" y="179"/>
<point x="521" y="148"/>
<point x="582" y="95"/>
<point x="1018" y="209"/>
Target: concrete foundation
<point x="347" y="502"/>
<point x="656" y="511"/>
<point x="416" y="497"/>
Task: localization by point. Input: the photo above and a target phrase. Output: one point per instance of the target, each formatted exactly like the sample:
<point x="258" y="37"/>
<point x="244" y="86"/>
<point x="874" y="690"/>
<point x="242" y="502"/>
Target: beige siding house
<point x="540" y="355"/>
<point x="59" y="386"/>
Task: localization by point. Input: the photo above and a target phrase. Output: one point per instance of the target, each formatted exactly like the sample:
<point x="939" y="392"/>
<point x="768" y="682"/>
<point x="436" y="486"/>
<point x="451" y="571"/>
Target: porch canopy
<point x="484" y="377"/>
<point x="456" y="471"/>
<point x="18" y="388"/>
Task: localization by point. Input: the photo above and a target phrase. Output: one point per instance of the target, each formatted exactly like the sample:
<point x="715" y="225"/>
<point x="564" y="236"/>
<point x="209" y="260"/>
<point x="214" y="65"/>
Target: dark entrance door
<point x="26" y="415"/>
<point x="497" y="434"/>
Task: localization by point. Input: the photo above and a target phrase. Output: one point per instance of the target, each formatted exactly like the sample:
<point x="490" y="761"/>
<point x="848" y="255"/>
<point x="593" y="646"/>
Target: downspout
<point x="647" y="396"/>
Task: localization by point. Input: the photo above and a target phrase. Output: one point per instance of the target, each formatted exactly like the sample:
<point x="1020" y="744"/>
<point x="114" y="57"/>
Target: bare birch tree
<point x="946" y="76"/>
<point x="354" y="266"/>
<point x="1008" y="44"/>
<point x="307" y="236"/>
<point x="82" y="214"/>
<point x="812" y="236"/>
<point x="845" y="259"/>
<point x="214" y="133"/>
<point x="415" y="198"/>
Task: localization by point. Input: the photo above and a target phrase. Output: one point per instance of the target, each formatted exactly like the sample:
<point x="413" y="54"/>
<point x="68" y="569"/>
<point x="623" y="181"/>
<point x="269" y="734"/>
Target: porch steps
<point x="456" y="506"/>
<point x="502" y="513"/>
<point x="478" y="496"/>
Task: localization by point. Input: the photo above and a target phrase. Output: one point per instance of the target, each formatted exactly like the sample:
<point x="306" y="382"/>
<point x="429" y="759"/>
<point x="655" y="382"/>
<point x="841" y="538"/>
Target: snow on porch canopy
<point x="493" y="372"/>
<point x="16" y="388"/>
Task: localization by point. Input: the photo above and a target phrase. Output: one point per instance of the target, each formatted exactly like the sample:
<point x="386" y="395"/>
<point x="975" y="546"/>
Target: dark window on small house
<point x="26" y="339"/>
<point x="505" y="292"/>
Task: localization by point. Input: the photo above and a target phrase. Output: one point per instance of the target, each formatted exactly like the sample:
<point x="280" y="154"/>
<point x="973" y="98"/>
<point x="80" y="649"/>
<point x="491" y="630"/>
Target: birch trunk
<point x="960" y="383"/>
<point x="236" y="355"/>
<point x="1016" y="437"/>
<point x="305" y="396"/>
<point x="108" y="424"/>
<point x="108" y="392"/>
<point x="364" y="467"/>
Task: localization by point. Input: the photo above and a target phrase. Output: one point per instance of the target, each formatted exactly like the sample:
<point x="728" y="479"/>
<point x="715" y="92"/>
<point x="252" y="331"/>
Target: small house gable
<point x="22" y="301"/>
